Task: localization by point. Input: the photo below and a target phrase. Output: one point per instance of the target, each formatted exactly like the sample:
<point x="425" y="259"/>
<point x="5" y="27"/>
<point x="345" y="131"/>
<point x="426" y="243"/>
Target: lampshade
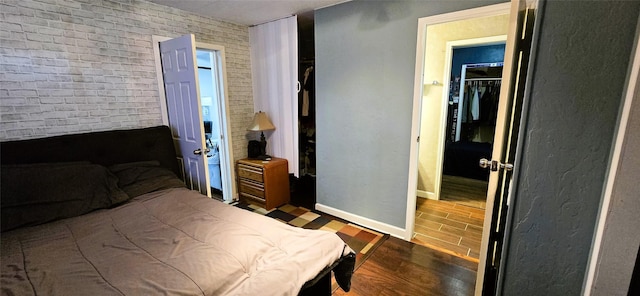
<point x="261" y="122"/>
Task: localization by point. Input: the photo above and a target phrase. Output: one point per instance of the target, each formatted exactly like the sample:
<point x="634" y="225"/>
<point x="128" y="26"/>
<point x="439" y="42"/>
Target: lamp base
<point x="263" y="148"/>
<point x="264" y="157"/>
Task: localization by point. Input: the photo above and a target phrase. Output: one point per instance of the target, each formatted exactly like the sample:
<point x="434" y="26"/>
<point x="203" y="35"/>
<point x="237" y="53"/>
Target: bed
<point x="462" y="159"/>
<point x="104" y="213"/>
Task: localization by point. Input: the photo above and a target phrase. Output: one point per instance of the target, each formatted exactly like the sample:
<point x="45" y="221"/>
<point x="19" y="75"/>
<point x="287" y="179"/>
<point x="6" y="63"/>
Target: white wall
<point x="80" y="66"/>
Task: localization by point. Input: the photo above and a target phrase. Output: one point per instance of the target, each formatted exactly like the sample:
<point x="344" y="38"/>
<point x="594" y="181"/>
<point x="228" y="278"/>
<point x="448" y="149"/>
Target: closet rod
<point x="484" y="79"/>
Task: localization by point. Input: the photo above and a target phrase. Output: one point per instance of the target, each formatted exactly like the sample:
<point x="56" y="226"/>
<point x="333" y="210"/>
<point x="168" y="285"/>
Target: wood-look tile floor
<point x="453" y="224"/>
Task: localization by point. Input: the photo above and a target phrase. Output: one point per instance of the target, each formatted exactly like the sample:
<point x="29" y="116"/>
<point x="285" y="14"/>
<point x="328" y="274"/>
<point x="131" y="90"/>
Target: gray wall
<point x="580" y="73"/>
<point x="365" y="55"/>
<point x="80" y="66"/>
<point x="365" y="65"/>
<point x="621" y="237"/>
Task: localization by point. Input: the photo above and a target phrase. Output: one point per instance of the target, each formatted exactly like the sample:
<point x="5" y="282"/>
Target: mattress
<point x="173" y="241"/>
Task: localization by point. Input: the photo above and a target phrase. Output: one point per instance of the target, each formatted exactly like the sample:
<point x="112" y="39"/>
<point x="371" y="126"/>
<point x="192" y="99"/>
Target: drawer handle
<point x="250" y="169"/>
<point x="254" y="186"/>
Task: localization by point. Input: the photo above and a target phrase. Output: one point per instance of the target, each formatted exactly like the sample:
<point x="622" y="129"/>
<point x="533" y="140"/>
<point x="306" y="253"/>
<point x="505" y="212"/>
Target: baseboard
<point x="363" y="221"/>
<point x="426" y="194"/>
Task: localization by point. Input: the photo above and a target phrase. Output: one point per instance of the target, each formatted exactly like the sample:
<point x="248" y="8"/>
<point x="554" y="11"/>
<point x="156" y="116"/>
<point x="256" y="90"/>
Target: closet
<point x="305" y="193"/>
<point x="306" y="118"/>
<point x="306" y="95"/>
<point x="473" y="108"/>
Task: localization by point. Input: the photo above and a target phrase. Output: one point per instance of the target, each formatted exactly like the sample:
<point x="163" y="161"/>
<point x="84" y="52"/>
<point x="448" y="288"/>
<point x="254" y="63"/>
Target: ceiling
<point x="248" y="12"/>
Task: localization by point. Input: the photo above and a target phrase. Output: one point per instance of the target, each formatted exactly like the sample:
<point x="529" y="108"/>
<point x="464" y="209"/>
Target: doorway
<point x="462" y="75"/>
<point x="504" y="152"/>
<point x="212" y="119"/>
<point x="304" y="194"/>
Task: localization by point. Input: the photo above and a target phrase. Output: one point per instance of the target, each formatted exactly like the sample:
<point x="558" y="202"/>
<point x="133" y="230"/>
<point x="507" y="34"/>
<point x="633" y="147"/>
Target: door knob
<point x="494" y="165"/>
<point x="485" y="163"/>
<point x="506" y="166"/>
<point x="199" y="151"/>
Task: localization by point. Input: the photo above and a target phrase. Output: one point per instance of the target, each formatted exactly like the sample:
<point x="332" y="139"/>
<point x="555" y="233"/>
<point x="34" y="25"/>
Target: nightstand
<point x="263" y="182"/>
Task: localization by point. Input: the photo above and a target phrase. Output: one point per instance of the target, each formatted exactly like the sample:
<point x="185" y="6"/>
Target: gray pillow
<point x="33" y="194"/>
<point x="138" y="178"/>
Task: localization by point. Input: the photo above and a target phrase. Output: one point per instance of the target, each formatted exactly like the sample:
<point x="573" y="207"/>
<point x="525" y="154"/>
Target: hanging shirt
<point x="305" y="93"/>
<point x="464" y="104"/>
<point x="475" y="104"/>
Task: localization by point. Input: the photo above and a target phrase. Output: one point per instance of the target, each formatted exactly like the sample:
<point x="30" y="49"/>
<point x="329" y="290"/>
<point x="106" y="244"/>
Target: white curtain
<point x="274" y="64"/>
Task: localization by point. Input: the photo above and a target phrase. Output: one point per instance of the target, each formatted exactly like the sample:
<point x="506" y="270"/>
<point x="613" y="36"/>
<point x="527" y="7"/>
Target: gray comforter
<point x="172" y="241"/>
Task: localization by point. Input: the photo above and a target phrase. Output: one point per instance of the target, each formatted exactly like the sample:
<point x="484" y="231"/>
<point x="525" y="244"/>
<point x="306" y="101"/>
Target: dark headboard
<point x="104" y="148"/>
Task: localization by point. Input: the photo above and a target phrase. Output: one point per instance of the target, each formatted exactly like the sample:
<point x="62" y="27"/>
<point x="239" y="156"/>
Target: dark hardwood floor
<point x="465" y="191"/>
<point x="399" y="267"/>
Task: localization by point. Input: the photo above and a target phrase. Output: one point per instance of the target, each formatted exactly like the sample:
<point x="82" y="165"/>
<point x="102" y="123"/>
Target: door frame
<point x="496" y="9"/>
<point x="230" y="194"/>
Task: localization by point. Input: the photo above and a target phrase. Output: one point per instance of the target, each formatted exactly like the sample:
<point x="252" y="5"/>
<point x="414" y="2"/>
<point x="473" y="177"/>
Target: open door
<point x="516" y="60"/>
<point x="184" y="110"/>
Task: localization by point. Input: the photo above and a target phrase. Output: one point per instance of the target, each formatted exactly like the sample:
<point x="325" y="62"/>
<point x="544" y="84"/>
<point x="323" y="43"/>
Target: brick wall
<point x="77" y="66"/>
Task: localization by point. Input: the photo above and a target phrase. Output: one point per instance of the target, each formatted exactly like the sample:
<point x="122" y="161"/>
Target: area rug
<point x="362" y="240"/>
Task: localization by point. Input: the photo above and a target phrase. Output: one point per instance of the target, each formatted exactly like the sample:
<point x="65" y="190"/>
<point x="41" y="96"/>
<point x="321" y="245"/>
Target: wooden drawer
<point x="264" y="183"/>
<point x="253" y="199"/>
<point x="250" y="172"/>
<point x="253" y="188"/>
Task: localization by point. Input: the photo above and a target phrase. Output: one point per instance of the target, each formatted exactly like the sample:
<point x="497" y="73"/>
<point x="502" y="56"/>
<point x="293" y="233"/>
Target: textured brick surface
<point x="77" y="66"/>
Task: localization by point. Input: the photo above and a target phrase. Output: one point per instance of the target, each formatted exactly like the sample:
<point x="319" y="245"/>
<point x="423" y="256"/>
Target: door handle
<point x="485" y="163"/>
<point x="199" y="151"/>
<point x="506" y="166"/>
<point x="494" y="165"/>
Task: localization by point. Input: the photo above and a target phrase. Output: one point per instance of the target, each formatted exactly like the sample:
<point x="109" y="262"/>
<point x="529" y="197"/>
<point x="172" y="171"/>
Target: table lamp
<point x="261" y="123"/>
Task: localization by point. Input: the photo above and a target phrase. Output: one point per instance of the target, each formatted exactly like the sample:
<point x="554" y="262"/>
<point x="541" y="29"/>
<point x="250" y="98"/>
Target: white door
<point x="516" y="61"/>
<point x="183" y="107"/>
